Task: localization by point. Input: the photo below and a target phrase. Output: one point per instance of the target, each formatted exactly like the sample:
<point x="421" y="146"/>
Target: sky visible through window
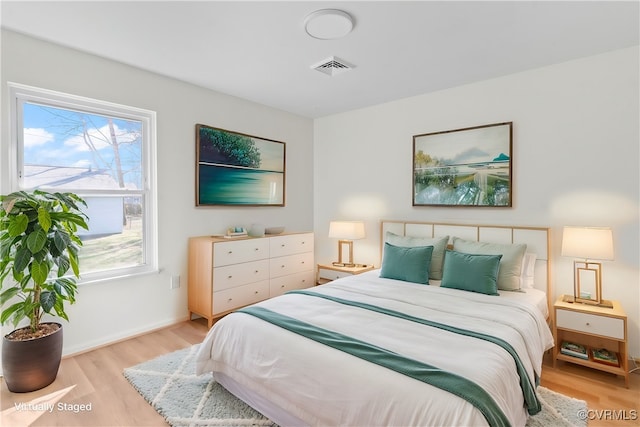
<point x="64" y="138"/>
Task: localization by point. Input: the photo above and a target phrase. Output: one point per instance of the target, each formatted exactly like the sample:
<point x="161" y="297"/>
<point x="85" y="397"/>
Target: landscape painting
<point x="237" y="169"/>
<point x="464" y="167"/>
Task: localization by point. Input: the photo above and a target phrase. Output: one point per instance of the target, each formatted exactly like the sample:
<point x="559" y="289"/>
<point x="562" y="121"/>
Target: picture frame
<point x="464" y="167"/>
<point x="236" y="169"/>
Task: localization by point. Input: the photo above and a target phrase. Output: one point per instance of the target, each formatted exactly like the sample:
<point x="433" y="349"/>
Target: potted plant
<point x="38" y="271"/>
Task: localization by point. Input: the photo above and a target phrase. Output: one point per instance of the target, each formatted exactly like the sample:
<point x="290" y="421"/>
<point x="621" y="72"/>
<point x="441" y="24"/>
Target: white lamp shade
<point x="348" y="230"/>
<point x="587" y="243"/>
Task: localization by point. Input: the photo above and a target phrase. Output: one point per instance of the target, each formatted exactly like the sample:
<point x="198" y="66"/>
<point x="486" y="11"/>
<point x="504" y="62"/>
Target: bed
<point x="395" y="347"/>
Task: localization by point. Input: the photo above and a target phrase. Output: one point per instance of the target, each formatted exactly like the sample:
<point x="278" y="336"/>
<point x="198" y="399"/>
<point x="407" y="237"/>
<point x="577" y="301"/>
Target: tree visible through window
<point x="98" y="152"/>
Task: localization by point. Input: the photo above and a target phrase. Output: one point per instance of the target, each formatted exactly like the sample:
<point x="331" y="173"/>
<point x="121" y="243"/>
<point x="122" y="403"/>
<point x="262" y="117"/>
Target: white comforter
<point x="324" y="386"/>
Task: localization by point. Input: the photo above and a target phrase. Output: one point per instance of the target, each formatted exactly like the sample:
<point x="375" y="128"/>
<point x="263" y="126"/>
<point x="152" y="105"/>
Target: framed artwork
<point x="464" y="167"/>
<point x="237" y="169"/>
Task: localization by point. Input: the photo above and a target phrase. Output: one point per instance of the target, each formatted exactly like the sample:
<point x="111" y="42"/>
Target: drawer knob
<point x="256" y="292"/>
<point x="282" y="245"/>
<point x="257" y="271"/>
<point x="230" y="252"/>
<point x="230" y="299"/>
<point x="588" y="324"/>
<point x="229" y="277"/>
<point x="282" y="286"/>
<point x="282" y="266"/>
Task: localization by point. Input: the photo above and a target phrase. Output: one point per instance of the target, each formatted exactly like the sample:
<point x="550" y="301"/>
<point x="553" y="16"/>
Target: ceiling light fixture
<point x="328" y="24"/>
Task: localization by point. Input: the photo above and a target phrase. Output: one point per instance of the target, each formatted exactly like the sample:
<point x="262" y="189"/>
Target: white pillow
<point x="510" y="263"/>
<point x="528" y="270"/>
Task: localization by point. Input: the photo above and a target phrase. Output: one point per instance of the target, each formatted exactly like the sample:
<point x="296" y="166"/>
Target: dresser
<point x="593" y="328"/>
<point x="226" y="274"/>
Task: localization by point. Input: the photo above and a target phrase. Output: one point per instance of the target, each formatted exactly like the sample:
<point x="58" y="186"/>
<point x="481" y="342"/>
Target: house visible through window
<point x="103" y="153"/>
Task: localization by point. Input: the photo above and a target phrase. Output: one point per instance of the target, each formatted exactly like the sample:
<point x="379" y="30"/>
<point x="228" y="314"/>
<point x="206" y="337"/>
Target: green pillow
<point x="408" y="264"/>
<point x="469" y="272"/>
<point x="510" y="263"/>
<point x="437" y="257"/>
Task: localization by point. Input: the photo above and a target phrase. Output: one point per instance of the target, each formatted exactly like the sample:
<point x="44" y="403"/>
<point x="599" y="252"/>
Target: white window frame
<point x="19" y="94"/>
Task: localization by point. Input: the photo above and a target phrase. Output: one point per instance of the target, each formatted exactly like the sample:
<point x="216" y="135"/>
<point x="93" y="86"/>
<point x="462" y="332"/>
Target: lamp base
<point x="603" y="303"/>
<point x="349" y="265"/>
<point x="343" y="264"/>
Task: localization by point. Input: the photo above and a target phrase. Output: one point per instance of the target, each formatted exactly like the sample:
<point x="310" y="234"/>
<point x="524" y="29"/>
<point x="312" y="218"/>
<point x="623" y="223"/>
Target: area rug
<point x="170" y="385"/>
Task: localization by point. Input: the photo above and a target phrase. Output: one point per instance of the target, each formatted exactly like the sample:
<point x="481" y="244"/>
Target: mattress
<point x="295" y="380"/>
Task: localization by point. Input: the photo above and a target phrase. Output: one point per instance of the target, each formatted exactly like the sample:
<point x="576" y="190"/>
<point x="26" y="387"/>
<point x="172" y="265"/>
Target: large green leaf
<point x="17" y="225"/>
<point x="72" y="218"/>
<point x="5" y="249"/>
<point x="67" y="288"/>
<point x="8" y="294"/>
<point x="17" y="310"/>
<point x="44" y="219"/>
<point x="59" y="307"/>
<point x="73" y="259"/>
<point x="36" y="241"/>
<point x="61" y="239"/>
<point x="22" y="259"/>
<point x="47" y="300"/>
<point x="63" y="264"/>
<point x="39" y="271"/>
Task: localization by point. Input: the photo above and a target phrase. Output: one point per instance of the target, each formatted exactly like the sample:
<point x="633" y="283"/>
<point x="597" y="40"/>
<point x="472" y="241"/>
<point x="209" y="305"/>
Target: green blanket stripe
<point x="444" y="380"/>
<point x="528" y="390"/>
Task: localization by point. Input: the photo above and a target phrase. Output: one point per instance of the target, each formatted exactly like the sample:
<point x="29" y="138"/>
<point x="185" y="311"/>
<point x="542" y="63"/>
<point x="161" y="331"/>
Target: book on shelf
<point x="575" y="350"/>
<point x="607" y="357"/>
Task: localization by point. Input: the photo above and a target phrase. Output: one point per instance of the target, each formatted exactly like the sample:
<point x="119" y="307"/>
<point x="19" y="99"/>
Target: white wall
<point x="116" y="309"/>
<point x="576" y="157"/>
<point x="575" y="153"/>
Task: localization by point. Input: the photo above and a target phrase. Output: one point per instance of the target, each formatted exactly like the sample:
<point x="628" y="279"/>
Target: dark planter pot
<point x="32" y="364"/>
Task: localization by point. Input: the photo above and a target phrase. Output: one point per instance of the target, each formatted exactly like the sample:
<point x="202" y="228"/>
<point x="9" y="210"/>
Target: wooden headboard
<point x="537" y="239"/>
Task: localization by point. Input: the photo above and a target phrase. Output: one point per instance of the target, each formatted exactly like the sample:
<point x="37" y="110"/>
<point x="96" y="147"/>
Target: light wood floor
<point x="96" y="378"/>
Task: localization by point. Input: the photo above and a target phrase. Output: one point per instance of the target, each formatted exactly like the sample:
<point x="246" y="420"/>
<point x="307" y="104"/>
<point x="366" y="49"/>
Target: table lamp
<point x="347" y="232"/>
<point x="588" y="243"/>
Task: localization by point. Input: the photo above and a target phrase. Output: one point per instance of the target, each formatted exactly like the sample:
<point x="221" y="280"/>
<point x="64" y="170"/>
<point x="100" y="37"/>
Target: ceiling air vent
<point x="332" y="66"/>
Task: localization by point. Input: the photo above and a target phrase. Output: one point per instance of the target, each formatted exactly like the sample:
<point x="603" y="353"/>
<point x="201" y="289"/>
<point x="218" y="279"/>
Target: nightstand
<point x="593" y="327"/>
<point x="328" y="272"/>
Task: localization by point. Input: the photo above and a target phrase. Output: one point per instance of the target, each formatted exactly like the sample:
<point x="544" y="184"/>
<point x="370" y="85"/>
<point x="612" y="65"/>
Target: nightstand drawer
<point x="590" y="323"/>
<point x="325" y="273"/>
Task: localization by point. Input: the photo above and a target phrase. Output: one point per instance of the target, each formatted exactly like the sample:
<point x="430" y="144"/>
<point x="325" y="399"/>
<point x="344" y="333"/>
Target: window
<point x="104" y="153"/>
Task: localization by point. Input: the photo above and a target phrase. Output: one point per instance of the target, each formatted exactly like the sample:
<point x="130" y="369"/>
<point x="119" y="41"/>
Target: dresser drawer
<point x="240" y="296"/>
<point x="590" y="323"/>
<point x="230" y="276"/>
<point x="226" y="253"/>
<point x="291" y="244"/>
<point x="291" y="264"/>
<point x="280" y="285"/>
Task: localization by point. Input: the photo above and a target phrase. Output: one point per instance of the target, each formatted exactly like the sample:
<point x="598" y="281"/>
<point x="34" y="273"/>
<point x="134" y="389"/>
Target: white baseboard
<point x="119" y="337"/>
